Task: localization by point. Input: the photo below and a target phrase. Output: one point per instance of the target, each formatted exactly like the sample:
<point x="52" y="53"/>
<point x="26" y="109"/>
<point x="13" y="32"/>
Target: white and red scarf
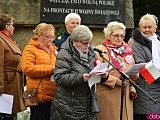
<point x="123" y="50"/>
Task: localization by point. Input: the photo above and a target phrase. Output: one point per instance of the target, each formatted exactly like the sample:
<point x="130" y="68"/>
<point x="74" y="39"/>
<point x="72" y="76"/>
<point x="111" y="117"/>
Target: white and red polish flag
<point x="149" y="72"/>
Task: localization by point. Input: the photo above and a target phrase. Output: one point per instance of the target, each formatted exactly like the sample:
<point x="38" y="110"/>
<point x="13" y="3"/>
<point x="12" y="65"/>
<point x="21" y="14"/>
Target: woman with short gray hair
<point x="81" y="33"/>
<point x="72" y="20"/>
<point x="72" y="98"/>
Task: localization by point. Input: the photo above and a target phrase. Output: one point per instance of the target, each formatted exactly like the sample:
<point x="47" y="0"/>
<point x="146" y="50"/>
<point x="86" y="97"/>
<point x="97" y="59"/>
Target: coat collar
<point x="15" y="49"/>
<point x="138" y="37"/>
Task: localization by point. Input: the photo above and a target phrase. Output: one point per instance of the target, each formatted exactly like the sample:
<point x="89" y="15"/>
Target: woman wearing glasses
<point x="75" y="60"/>
<point x="38" y="63"/>
<point x="11" y="76"/>
<point x="109" y="92"/>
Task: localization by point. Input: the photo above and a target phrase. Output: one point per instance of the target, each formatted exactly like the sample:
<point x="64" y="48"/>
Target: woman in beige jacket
<point x="109" y="92"/>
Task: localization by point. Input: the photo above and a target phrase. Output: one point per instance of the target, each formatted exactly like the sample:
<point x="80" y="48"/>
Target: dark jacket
<point x="62" y="40"/>
<point x="143" y="53"/>
<point x="72" y="98"/>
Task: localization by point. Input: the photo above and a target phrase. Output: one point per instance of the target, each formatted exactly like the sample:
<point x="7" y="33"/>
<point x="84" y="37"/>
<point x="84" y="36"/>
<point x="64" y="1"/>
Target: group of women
<point x="67" y="95"/>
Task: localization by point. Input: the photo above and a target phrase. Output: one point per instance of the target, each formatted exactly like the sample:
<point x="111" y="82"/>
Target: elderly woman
<point x="144" y="46"/>
<point x="109" y="92"/>
<point x="11" y="76"/>
<point x="72" y="20"/>
<point x="38" y="63"/>
<point x="130" y="41"/>
<point x="75" y="60"/>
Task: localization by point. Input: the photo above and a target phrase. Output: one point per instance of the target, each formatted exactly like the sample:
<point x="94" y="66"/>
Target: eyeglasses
<point x="13" y="24"/>
<point x="49" y="37"/>
<point x="85" y="43"/>
<point x="117" y="36"/>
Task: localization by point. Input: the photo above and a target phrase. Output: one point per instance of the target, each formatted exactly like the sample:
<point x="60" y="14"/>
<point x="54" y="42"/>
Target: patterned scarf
<point x="123" y="50"/>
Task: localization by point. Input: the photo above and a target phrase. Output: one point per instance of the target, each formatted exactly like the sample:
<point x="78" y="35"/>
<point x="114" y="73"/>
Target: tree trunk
<point x="129" y="18"/>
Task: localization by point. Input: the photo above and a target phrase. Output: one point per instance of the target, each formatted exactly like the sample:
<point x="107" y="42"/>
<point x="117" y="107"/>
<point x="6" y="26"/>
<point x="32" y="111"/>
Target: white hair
<point x="71" y="16"/>
<point x="113" y="26"/>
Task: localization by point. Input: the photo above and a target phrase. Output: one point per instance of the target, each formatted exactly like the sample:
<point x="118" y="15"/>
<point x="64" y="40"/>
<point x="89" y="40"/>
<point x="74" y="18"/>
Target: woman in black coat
<point x="72" y="98"/>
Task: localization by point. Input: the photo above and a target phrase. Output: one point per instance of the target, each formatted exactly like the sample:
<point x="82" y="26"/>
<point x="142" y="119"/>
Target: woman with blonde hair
<point x="145" y="46"/>
<point x="38" y="63"/>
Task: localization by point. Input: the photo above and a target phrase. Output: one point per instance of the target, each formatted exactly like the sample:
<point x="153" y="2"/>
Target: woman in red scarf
<point x="109" y="92"/>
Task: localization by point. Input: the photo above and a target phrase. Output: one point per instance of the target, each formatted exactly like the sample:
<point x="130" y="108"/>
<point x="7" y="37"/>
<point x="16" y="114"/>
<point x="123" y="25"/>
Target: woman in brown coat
<point x="11" y="76"/>
<point x="109" y="92"/>
<point x="38" y="63"/>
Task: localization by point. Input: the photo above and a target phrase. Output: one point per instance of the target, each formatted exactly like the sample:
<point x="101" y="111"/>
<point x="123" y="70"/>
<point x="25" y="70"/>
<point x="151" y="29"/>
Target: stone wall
<point x="26" y="14"/>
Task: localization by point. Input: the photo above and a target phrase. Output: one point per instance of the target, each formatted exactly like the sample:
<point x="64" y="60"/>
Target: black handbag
<point x="95" y="104"/>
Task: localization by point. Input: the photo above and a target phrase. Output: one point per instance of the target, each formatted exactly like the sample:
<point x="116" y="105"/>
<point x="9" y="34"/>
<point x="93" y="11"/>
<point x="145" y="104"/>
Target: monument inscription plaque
<point x="93" y="12"/>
